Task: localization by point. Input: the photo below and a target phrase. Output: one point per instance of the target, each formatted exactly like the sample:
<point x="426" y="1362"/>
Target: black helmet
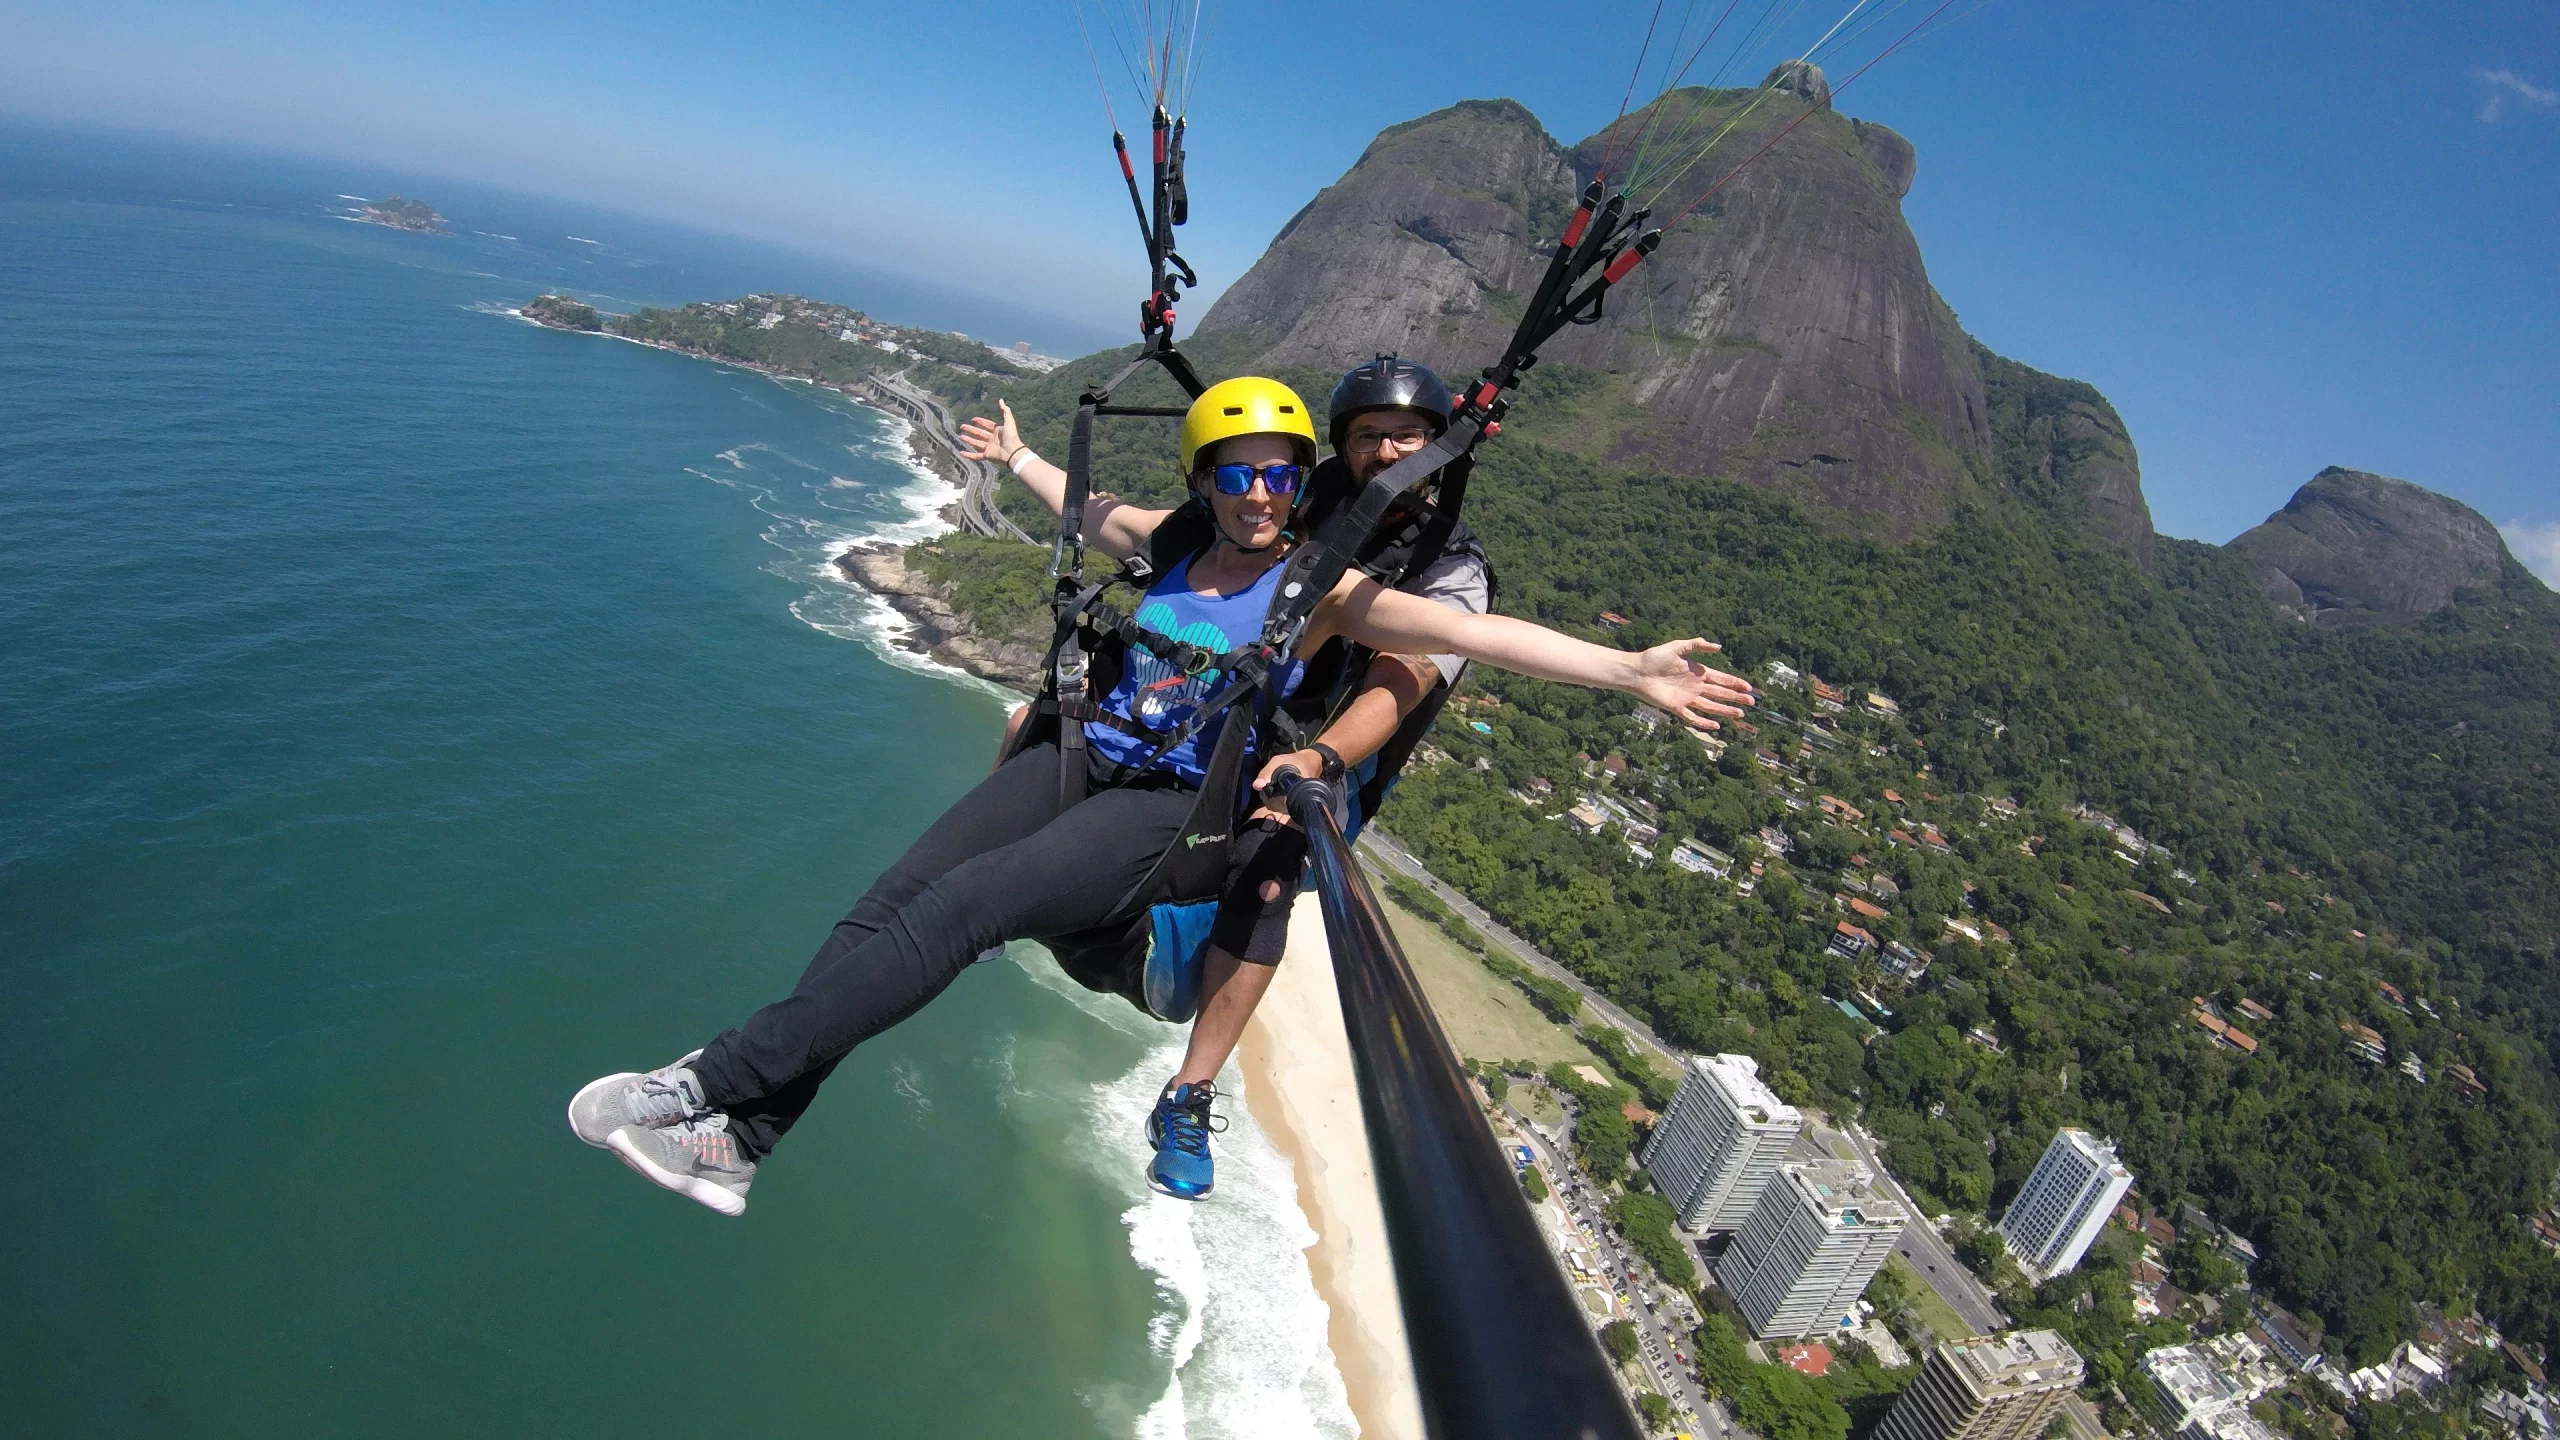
<point x="1388" y="383"/>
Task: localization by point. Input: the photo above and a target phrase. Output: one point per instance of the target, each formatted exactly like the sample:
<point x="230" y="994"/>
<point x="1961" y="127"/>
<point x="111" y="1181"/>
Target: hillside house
<point x="1782" y="673"/>
<point x="1849" y="942"/>
<point x="1612" y="620"/>
<point x="1827" y="697"/>
<point x="1839" y="809"/>
<point x="1859" y="908"/>
<point x="1884" y="705"/>
<point x="1588" y="817"/>
<point x="2365" y="1041"/>
<point x="1965" y="928"/>
<point x="2256" y="1011"/>
<point x="1700" y="859"/>
<point x="1775" y="841"/>
<point x="1904" y="961"/>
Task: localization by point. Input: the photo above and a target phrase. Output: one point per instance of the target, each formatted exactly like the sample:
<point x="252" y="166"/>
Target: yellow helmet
<point x="1246" y="405"/>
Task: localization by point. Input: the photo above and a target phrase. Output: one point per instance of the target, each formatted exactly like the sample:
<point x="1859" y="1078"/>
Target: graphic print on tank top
<point x="1157" y="694"/>
<point x="1164" y="697"/>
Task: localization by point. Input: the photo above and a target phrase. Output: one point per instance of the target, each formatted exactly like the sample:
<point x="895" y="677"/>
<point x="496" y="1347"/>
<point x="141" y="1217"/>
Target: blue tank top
<point x="1158" y="696"/>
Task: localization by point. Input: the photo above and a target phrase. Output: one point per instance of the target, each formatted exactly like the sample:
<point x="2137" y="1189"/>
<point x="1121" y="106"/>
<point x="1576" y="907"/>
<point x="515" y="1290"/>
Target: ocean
<point x="411" y="713"/>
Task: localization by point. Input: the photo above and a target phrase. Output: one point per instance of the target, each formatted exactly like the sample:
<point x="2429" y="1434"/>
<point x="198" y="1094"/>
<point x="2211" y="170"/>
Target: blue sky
<point x="2278" y="235"/>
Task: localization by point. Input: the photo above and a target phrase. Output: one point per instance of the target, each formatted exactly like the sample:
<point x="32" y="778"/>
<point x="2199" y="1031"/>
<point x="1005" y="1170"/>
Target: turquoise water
<point x="410" y="713"/>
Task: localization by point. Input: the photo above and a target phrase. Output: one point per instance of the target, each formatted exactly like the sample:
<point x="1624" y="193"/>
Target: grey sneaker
<point x="696" y="1158"/>
<point x="664" y="1096"/>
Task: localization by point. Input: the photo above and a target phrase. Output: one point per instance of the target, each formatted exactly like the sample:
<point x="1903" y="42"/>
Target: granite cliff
<point x="2353" y="547"/>
<point x="1785" y="334"/>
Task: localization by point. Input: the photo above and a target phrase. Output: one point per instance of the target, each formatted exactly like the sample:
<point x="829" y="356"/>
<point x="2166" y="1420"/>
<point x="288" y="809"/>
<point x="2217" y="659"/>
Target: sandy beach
<point x="1299" y="1086"/>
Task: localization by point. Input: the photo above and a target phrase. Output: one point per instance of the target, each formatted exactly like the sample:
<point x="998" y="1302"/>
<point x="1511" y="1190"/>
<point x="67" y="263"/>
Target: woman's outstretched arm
<point x="1114" y="527"/>
<point x="1664" y="676"/>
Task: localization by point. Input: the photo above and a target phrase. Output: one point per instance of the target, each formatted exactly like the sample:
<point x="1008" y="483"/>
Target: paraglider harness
<point x="1392" y="528"/>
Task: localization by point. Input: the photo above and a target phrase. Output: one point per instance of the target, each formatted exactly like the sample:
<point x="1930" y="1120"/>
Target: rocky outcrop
<point x="940" y="631"/>
<point x="1403" y="252"/>
<point x="2352" y="547"/>
<point x="1785" y="334"/>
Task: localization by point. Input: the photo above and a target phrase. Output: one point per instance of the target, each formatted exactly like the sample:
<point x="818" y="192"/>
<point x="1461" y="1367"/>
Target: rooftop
<point x="2019" y="1360"/>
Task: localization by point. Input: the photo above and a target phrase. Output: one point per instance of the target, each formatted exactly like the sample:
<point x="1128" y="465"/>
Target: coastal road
<point x="1395" y="857"/>
<point x="1658" y="1318"/>
<point x="1921" y="1244"/>
<point x="1927" y="1250"/>
<point x="978" y="512"/>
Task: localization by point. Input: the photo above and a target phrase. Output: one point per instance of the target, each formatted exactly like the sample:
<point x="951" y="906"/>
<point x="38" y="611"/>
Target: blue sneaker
<point x="1179" y="1128"/>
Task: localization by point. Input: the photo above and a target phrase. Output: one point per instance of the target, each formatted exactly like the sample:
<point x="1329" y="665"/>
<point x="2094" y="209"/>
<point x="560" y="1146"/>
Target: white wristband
<point x="1021" y="457"/>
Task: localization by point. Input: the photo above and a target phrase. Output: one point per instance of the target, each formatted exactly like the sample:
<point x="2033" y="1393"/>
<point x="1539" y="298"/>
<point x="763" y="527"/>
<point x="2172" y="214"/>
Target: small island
<point x="562" y="313"/>
<point x="402" y="213"/>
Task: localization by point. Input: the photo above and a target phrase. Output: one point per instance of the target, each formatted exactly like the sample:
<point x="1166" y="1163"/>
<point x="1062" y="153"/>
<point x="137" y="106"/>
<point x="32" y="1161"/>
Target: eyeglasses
<point x="1280" y="479"/>
<point x="1401" y="439"/>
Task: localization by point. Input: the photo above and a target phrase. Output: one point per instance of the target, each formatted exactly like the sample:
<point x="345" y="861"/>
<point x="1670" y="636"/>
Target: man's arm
<point x="1394" y="684"/>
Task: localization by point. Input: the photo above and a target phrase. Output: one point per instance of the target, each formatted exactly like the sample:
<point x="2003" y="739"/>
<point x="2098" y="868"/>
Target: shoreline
<point x="941" y="633"/>
<point x="1300" y="1088"/>
<point x="934" y="459"/>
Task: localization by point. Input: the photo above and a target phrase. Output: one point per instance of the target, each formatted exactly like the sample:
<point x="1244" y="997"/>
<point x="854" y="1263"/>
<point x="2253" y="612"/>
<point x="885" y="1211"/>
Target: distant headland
<point x="402" y="213"/>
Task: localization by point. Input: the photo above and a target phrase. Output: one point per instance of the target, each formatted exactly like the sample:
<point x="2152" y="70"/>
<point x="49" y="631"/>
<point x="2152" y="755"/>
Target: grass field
<point x="1487" y="1018"/>
<point x="1933" y="1312"/>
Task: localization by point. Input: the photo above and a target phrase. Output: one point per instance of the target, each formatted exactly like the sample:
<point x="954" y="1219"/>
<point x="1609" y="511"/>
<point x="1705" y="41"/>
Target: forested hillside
<point x="2360" y="805"/>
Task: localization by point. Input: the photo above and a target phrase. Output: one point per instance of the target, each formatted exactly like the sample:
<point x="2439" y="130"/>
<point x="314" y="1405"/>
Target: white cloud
<point x="2502" y="86"/>
<point x="2537" y="545"/>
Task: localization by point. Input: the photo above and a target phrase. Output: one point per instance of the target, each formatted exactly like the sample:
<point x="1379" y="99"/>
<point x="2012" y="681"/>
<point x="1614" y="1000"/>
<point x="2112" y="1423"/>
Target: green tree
<point x="1655" y="1411"/>
<point x="1621" y="1340"/>
<point x="1533" y="1183"/>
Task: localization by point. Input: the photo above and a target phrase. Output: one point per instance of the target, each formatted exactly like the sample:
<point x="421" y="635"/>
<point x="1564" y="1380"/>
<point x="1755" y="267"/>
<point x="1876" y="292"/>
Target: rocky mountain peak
<point x="1785" y="334"/>
<point x="2354" y="547"/>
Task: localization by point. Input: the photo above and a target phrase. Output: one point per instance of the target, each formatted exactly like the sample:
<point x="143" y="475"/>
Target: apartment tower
<point x="1820" y="1232"/>
<point x="2003" y="1389"/>
<point x="1719" y="1142"/>
<point x="2066" y="1201"/>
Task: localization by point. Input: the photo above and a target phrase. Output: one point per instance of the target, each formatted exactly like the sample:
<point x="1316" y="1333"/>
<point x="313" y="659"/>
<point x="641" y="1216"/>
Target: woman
<point x="1008" y="862"/>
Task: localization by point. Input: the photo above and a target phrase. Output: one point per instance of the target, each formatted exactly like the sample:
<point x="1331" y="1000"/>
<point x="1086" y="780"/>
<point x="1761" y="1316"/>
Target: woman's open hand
<point x="1686" y="690"/>
<point x="990" y="440"/>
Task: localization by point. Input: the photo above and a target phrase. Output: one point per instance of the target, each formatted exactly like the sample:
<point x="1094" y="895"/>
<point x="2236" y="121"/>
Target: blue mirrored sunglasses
<point x="1281" y="479"/>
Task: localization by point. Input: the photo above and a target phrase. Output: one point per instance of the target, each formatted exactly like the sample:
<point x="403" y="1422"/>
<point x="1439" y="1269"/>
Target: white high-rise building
<point x="2075" y="1187"/>
<point x="1820" y="1232"/>
<point x="1719" y="1142"/>
<point x="2007" y="1388"/>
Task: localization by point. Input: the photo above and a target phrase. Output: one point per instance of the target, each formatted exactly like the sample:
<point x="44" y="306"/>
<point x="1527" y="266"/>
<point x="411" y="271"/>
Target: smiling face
<point x="1376" y="439"/>
<point x="1253" y="520"/>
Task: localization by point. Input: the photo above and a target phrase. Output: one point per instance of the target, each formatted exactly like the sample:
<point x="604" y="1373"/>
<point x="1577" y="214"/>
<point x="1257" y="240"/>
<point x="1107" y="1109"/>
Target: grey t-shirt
<point x="1460" y="582"/>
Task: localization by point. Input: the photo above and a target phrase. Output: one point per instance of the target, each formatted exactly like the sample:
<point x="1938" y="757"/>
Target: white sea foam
<point x="359" y="199"/>
<point x="1241" y="1330"/>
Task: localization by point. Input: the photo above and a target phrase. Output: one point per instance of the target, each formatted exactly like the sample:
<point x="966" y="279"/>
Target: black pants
<point x="1002" y="864"/>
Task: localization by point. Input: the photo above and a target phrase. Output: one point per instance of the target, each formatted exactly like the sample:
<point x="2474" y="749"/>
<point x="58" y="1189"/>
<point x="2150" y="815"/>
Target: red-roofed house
<point x="1812" y="1357"/>
<point x="1849" y="942"/>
